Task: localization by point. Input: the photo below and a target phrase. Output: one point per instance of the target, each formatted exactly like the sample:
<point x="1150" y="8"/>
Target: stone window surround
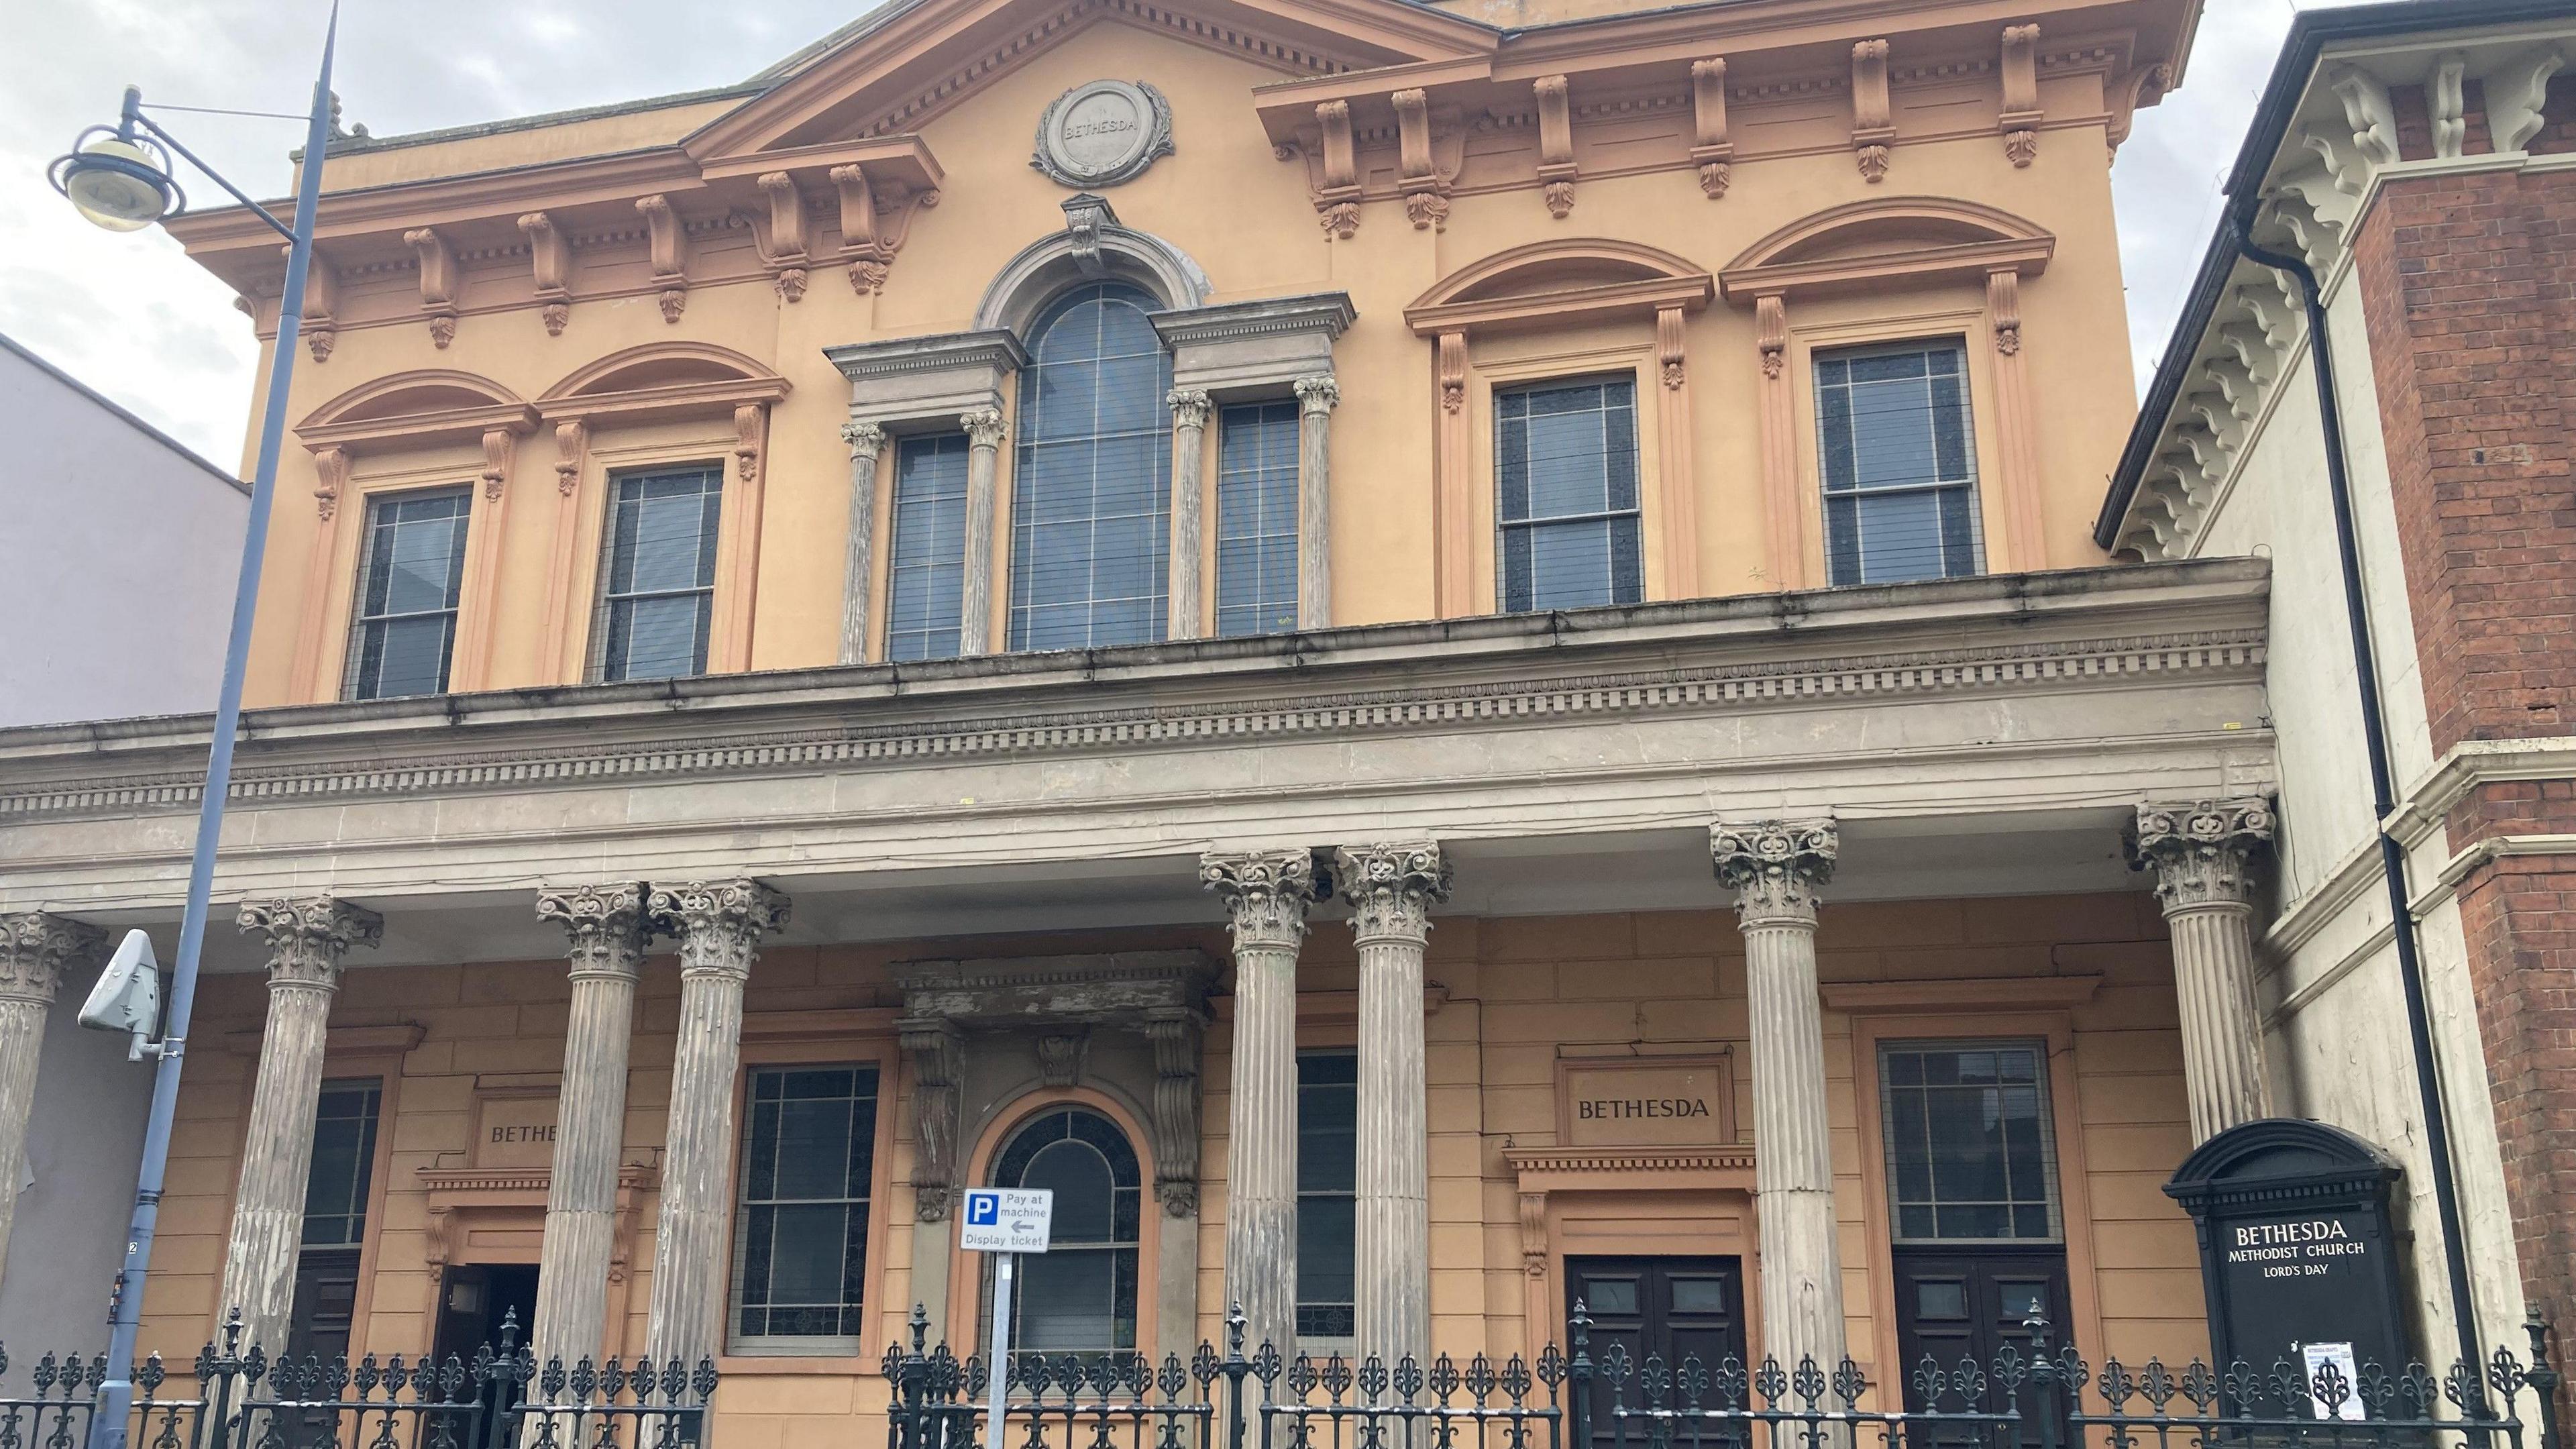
<point x="1230" y="352"/>
<point x="1651" y="309"/>
<point x="2001" y="1008"/>
<point x="852" y="1037"/>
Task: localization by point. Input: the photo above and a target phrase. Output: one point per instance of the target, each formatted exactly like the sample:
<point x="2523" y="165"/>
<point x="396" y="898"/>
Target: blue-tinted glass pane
<point x="1900" y="537"/>
<point x="413" y="576"/>
<point x="1567" y="453"/>
<point x="412" y="655"/>
<point x="927" y="574"/>
<point x="1842" y="539"/>
<point x="1897" y="425"/>
<point x="661" y="636"/>
<point x="1091" y="500"/>
<point x="661" y="573"/>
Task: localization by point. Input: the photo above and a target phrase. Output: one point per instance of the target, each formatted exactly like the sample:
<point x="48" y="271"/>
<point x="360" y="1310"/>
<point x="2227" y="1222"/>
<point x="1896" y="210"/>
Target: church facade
<point x="1439" y="659"/>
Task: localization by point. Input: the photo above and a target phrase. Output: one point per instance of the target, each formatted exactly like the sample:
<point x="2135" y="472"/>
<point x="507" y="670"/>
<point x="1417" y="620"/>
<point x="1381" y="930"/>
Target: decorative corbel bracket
<point x="2517" y="91"/>
<point x="1426" y="191"/>
<point x="1713" y="150"/>
<point x="780" y="234"/>
<point x="437" y="281"/>
<point x="500" y="446"/>
<point x="572" y="451"/>
<point x="2021" y="115"/>
<point x="1668" y="345"/>
<point x="937" y="1050"/>
<point x="750" y="428"/>
<point x="2446" y="101"/>
<point x="1337" y="200"/>
<point x="2003" y="309"/>
<point x="1176" y="1033"/>
<point x="1771" y="332"/>
<point x="2367" y="113"/>
<point x="669" y="244"/>
<point x="550" y="256"/>
<point x="1452" y="362"/>
<point x="320" y="331"/>
<point x="875" y="221"/>
<point x="1556" y="169"/>
<point x="2140" y="87"/>
<point x="1873" y="133"/>
<point x="330" y="480"/>
<point x="1086" y="216"/>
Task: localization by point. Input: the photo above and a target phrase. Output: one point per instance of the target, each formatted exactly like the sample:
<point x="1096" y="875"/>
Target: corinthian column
<point x="984" y="433"/>
<point x="2202" y="852"/>
<point x="306" y="939"/>
<point x="1266" y="894"/>
<point x="1190" y="408"/>
<point x="867" y="443"/>
<point x="1774" y="868"/>
<point x="34" y="948"/>
<point x="719" y="924"/>
<point x="607" y="929"/>
<point x="1316" y="399"/>
<point x="1391" y="890"/>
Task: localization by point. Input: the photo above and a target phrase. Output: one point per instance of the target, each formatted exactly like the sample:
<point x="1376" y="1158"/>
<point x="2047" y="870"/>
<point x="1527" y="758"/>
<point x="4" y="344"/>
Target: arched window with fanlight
<point x="1079" y="1296"/>
<point x="1092" y="495"/>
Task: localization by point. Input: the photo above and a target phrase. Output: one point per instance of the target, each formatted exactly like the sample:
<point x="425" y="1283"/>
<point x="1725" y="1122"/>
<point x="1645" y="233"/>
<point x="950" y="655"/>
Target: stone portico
<point x="1030" y="880"/>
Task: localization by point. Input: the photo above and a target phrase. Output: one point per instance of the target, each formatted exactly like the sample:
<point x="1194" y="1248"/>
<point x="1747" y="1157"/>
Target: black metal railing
<point x="1221" y="1401"/>
<point x="500" y="1399"/>
<point x="2043" y="1398"/>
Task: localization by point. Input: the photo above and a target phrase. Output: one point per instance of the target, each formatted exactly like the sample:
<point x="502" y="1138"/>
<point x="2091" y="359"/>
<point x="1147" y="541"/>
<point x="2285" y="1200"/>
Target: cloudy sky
<point x="130" y="316"/>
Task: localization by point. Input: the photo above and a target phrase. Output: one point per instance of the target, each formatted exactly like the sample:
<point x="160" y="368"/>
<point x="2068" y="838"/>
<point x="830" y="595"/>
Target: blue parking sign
<point x="983" y="1206"/>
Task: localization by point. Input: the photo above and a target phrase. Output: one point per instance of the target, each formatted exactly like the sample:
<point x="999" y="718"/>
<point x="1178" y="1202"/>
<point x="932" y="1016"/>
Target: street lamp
<point x="120" y="177"/>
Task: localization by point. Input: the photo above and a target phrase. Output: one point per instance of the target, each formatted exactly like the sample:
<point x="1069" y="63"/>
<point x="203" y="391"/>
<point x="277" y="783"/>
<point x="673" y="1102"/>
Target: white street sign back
<point x="1006" y="1219"/>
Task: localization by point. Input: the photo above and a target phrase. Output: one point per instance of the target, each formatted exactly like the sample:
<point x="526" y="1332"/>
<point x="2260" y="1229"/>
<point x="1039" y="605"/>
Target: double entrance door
<point x="1670" y="1309"/>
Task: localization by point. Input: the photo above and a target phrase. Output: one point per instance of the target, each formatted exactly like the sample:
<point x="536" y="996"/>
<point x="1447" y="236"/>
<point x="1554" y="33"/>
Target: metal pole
<point x="125" y="1302"/>
<point x="998" y="1389"/>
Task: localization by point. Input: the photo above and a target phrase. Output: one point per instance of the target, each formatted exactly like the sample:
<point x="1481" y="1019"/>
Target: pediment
<point x="892" y="72"/>
<point x="1901" y="240"/>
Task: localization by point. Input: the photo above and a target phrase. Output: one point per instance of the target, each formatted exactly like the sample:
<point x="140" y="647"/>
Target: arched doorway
<point x="1079" y="1296"/>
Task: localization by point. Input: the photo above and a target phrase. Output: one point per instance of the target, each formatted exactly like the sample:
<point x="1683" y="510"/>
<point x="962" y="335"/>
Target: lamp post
<point x="121" y="178"/>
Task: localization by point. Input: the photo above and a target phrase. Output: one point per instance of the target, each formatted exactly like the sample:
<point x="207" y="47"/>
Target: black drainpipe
<point x="2392" y="856"/>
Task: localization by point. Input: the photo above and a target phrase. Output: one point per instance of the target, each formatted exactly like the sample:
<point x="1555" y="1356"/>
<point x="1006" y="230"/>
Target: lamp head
<point x="118" y="182"/>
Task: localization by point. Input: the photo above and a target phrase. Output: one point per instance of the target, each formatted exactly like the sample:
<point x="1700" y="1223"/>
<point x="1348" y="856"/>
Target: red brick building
<point x="2420" y="160"/>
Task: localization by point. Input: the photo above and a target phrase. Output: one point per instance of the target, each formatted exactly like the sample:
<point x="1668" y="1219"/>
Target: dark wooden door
<point x="474" y="1299"/>
<point x="1959" y="1301"/>
<point x="326" y="1297"/>
<point x="1672" y="1309"/>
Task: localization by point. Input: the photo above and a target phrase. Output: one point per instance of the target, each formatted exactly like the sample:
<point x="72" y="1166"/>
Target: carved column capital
<point x="2202" y="851"/>
<point x="1190" y="406"/>
<point x="985" y="428"/>
<point x="719" y="923"/>
<point x="1266" y="892"/>
<point x="607" y="924"/>
<point x="1318" y="395"/>
<point x="1774" y="867"/>
<point x="1392" y="887"/>
<point x="866" y="440"/>
<point x="308" y="935"/>
<point x="35" y="946"/>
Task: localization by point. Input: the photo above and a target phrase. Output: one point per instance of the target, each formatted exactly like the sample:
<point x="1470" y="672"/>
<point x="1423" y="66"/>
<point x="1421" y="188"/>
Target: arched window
<point x="1080" y="1295"/>
<point x="1091" y="504"/>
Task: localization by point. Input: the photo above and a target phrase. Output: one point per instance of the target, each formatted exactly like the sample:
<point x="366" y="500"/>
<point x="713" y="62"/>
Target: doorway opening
<point x="473" y="1301"/>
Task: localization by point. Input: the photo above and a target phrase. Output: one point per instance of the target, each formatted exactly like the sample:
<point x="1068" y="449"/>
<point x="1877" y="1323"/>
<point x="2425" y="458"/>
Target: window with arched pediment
<point x="1091" y="496"/>
<point x="1079" y="1296"/>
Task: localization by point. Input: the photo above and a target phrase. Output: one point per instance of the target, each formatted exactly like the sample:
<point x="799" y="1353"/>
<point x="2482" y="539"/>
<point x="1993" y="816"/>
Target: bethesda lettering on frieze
<point x="1103" y="132"/>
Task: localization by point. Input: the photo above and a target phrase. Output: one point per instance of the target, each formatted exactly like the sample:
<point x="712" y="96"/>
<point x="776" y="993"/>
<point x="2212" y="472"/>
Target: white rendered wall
<point x="122" y="553"/>
<point x="2335" y="1013"/>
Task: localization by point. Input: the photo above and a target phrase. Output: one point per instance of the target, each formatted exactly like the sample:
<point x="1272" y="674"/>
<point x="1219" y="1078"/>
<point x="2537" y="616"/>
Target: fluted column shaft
<point x="1190" y="408"/>
<point x="34" y="948"/>
<point x="719" y="924"/>
<point x="984" y="433"/>
<point x="1267" y="894"/>
<point x="1391" y="890"/>
<point x="1774" y="868"/>
<point x="867" y="444"/>
<point x="306" y="940"/>
<point x="1316" y="399"/>
<point x="606" y="926"/>
<point x="2203" y="853"/>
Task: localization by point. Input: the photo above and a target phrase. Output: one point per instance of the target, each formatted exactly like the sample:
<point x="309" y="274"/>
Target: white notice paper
<point x="2320" y="1356"/>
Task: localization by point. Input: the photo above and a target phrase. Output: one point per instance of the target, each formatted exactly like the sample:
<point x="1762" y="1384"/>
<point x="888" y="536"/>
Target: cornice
<point x="1568" y="307"/>
<point x="2002" y="668"/>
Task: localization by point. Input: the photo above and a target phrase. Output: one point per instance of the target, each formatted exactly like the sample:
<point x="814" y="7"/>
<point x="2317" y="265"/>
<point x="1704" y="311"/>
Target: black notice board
<point x="2296" y="1246"/>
